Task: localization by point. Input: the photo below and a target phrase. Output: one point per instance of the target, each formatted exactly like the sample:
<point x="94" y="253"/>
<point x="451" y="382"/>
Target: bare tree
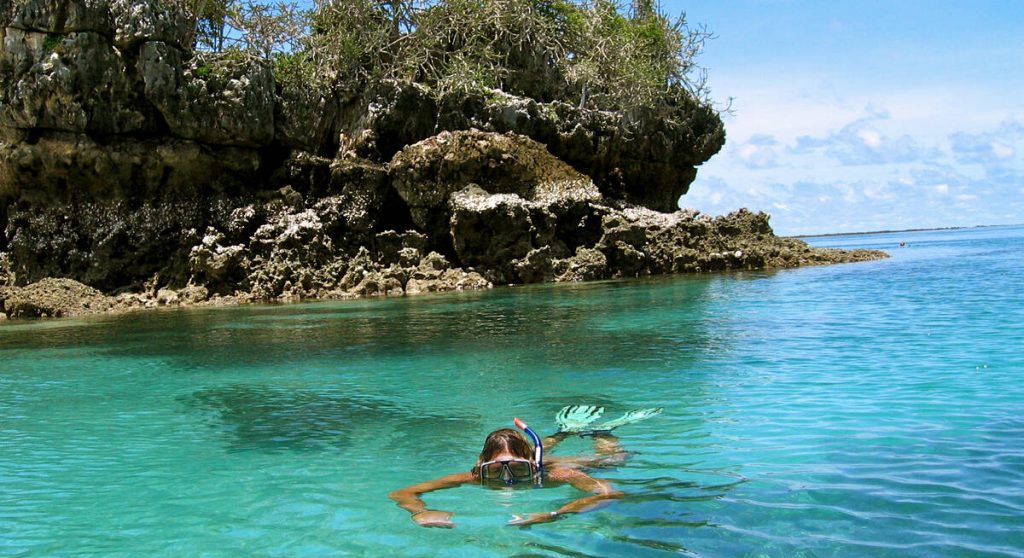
<point x="268" y="28"/>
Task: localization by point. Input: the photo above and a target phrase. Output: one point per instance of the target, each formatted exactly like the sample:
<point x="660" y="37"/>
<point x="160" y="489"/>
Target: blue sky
<point x="857" y="116"/>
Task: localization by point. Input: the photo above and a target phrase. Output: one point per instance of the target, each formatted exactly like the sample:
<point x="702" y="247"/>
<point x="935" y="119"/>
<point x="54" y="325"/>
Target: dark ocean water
<point x="872" y="409"/>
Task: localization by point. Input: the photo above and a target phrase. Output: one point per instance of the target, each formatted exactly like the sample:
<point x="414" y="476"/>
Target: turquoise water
<point x="869" y="409"/>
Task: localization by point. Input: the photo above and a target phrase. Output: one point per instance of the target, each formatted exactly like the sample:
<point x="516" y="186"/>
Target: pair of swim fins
<point x="579" y="419"/>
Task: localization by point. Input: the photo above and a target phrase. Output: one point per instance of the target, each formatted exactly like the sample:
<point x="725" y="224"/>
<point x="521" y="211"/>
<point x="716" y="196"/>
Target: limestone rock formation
<point x="138" y="22"/>
<point x="427" y="173"/>
<point x="646" y="158"/>
<point x="72" y="82"/>
<point x="135" y="165"/>
<point x="53" y="298"/>
<point x="307" y="117"/>
<point x="109" y="74"/>
<point x="218" y="99"/>
<point x="7" y="278"/>
<point x="637" y="241"/>
<point x="61" y="16"/>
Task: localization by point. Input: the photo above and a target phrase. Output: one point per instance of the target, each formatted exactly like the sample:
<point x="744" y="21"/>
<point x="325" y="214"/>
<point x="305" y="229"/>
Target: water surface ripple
<point x="869" y="409"/>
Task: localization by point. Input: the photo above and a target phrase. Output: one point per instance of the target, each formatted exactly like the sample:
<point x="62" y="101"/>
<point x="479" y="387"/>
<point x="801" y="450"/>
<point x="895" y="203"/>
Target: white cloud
<point x="879" y="192"/>
<point x="869" y="170"/>
<point x="1001" y="150"/>
<point x="916" y="129"/>
<point x="862" y="142"/>
<point x="850" y="195"/>
<point x="813" y="105"/>
<point x="758" y="152"/>
<point x="871" y="137"/>
<point x="993" y="147"/>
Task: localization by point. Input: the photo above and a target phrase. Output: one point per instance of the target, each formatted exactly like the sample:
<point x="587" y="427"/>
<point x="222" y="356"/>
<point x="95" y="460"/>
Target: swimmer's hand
<point x="533" y="518"/>
<point x="434" y="518"/>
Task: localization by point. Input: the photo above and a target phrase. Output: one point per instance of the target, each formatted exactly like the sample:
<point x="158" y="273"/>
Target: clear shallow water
<point x="869" y="409"/>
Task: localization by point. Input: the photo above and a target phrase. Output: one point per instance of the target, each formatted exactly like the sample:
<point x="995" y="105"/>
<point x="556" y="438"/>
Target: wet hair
<point x="502" y="440"/>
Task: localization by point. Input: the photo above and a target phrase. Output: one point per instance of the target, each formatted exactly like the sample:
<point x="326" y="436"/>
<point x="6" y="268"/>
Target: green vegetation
<point x="599" y="54"/>
<point x="211" y="18"/>
<point x="52" y="42"/>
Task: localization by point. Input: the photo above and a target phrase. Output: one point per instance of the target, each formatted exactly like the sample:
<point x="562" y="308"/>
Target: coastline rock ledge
<point x="137" y="172"/>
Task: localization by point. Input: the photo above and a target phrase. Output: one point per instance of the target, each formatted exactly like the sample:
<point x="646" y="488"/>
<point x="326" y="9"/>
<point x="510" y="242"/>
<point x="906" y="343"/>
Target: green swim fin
<point x="573" y="419"/>
<point x="636" y="415"/>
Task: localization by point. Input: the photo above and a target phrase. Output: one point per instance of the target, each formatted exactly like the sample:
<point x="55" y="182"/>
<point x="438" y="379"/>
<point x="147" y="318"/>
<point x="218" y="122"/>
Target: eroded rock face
<point x="435" y="274"/>
<point x="588" y="264"/>
<point x="491" y="231"/>
<point x="53" y="298"/>
<point x="126" y="67"/>
<point x="7" y="278"/>
<point x="307" y="117"/>
<point x="108" y="244"/>
<point x="136" y="22"/>
<point x="644" y="158"/>
<point x="281" y="249"/>
<point x="638" y="241"/>
<point x="103" y="77"/>
<point x="74" y="82"/>
<point x="136" y="166"/>
<point x="62" y="16"/>
<point x="426" y="174"/>
<point x="220" y="99"/>
<point x="62" y="166"/>
<point x="115" y="144"/>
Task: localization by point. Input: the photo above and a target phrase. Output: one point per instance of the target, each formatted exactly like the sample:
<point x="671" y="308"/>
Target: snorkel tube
<point x="538" y="447"/>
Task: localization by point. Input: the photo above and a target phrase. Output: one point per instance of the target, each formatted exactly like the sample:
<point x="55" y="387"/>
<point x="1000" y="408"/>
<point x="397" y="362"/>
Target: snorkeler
<point x="507" y="459"/>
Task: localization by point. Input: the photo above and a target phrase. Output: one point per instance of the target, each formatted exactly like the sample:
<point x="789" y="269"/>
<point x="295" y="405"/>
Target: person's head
<point x="508" y="445"/>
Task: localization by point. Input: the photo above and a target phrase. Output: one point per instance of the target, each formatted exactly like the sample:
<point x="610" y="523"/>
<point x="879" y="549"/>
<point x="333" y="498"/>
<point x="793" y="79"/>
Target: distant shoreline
<point x="898" y="231"/>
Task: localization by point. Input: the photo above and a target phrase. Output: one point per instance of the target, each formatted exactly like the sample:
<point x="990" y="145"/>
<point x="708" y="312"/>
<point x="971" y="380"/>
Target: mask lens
<point x="520" y="469"/>
<point x="506" y="470"/>
<point x="492" y="470"/>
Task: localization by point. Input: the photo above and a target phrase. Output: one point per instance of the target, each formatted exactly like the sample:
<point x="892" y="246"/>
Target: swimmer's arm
<point x="409" y="499"/>
<point x="602" y="492"/>
<point x="606" y="445"/>
<point x="549" y="442"/>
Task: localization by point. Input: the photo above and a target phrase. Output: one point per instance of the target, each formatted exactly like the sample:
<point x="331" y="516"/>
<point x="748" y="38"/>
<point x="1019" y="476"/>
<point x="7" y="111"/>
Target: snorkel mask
<point x="515" y="470"/>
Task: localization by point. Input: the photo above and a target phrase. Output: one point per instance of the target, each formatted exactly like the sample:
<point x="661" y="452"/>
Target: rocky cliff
<point x="161" y="175"/>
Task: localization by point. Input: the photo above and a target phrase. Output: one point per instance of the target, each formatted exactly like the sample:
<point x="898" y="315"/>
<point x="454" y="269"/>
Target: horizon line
<point x="888" y="231"/>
